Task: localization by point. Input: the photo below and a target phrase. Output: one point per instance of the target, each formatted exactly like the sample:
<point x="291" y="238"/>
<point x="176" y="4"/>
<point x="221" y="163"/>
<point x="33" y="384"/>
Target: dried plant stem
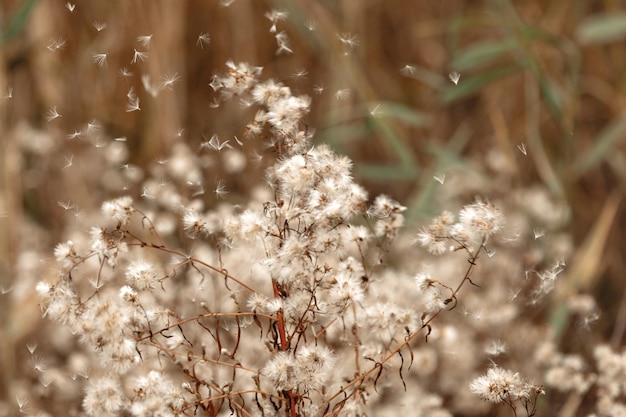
<point x="212" y="315"/>
<point x="355" y="333"/>
<point x="284" y="346"/>
<point x="187" y="355"/>
<point x="191" y="260"/>
<point x="426" y="324"/>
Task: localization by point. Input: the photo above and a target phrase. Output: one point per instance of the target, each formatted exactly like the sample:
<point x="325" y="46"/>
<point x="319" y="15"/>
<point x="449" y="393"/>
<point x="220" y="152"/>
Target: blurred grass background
<point x="544" y="76"/>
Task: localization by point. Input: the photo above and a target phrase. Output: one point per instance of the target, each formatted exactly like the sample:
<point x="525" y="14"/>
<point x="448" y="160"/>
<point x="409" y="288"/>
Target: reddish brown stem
<point x="284" y="346"/>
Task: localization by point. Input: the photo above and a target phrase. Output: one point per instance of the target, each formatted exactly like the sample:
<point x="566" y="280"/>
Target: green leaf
<point x="483" y="53"/>
<point x="445" y="156"/>
<point x="397" y="144"/>
<point x="473" y="84"/>
<point x="385" y="173"/>
<point x="559" y="319"/>
<point x="400" y="112"/>
<point x="552" y="95"/>
<point x="602" y="147"/>
<point x="602" y="28"/>
<point x="338" y="135"/>
<point x="18" y="21"/>
<point x="427" y="76"/>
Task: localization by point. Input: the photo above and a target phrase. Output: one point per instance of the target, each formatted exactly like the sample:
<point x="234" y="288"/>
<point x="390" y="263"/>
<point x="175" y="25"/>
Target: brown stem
<point x="284" y="346"/>
<point x="410" y="338"/>
<point x="192" y="259"/>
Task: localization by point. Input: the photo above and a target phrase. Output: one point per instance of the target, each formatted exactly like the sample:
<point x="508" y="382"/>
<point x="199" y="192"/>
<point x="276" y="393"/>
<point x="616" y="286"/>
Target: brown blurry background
<point x="548" y="75"/>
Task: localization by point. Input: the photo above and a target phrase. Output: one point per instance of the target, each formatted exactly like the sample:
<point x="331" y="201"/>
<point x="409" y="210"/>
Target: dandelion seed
<point x="454" y="77"/>
<point x="52" y="114"/>
<point x="226" y="3"/>
<point x="97" y="142"/>
<point x="496" y="347"/>
<point x="120" y="139"/>
<point x="145" y="194"/>
<point x="240" y="143"/>
<point x="32" y="347"/>
<point x="311" y="25"/>
<point x="139" y="56"/>
<point x="92" y="127"/>
<point x="66" y="205"/>
<point x="22" y="404"/>
<point x="538" y="233"/>
<point x="282" y="40"/>
<point x="56" y="44"/>
<point x="408" y="70"/>
<point x="490" y="253"/>
<point x="45" y="380"/>
<point x="349" y="40"/>
<point x="199" y="190"/>
<point x="83" y="372"/>
<point x="161" y="161"/>
<point x="144" y="40"/>
<point x="75" y="134"/>
<point x="169" y="80"/>
<point x="133" y="101"/>
<point x="342" y="94"/>
<point x="587" y="320"/>
<point x="246" y="102"/>
<point x="216" y="83"/>
<point x="100" y="59"/>
<point x="318" y="89"/>
<point x="164" y="182"/>
<point x="125" y="72"/>
<point x="256" y="158"/>
<point x="69" y="6"/>
<point x="133" y="105"/>
<point x="39" y="363"/>
<point x="300" y="74"/>
<point x="179" y="132"/>
<point x="203" y="39"/>
<point x="275" y="16"/>
<point x="99" y="26"/>
<point x="220" y="189"/>
<point x="9" y="93"/>
<point x="147" y="85"/>
<point x="78" y="214"/>
<point x="522" y="148"/>
<point x="4" y="290"/>
<point x="69" y="161"/>
<point x="515" y="293"/>
<point x="441" y="178"/>
<point x="215" y="144"/>
<point x="375" y="112"/>
<point x="527" y="274"/>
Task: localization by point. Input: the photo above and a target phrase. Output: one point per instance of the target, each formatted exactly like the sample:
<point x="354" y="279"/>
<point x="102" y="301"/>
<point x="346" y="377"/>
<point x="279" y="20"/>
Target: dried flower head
<point x="501" y="385"/>
<point x="120" y="209"/>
